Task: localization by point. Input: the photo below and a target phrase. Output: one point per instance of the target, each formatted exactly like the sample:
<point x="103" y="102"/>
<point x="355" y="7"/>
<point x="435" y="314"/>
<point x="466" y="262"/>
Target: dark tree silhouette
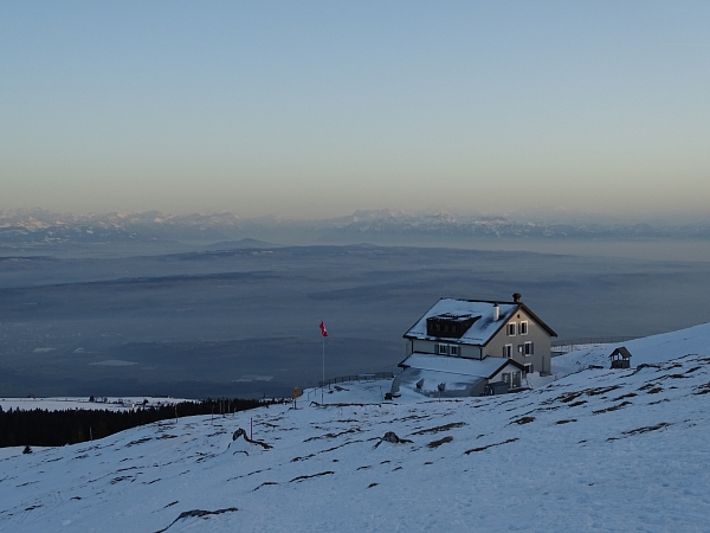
<point x="56" y="428"/>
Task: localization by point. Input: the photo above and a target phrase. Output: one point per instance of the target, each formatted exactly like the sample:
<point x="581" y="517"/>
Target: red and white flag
<point x="323" y="329"/>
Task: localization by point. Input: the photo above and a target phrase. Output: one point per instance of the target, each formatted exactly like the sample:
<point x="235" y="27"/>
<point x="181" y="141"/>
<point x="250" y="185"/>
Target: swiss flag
<point x="323" y="329"/>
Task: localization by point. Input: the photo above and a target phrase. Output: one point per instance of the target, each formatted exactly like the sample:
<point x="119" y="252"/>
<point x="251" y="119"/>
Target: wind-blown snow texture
<point x="597" y="450"/>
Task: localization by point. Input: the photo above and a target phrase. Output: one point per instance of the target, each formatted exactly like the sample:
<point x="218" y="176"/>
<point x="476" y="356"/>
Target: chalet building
<point x="474" y="347"/>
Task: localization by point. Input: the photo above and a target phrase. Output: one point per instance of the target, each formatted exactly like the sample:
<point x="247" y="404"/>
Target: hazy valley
<point x="244" y="321"/>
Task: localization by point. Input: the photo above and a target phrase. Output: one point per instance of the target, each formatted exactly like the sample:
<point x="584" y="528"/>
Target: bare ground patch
<point x="438" y="429"/>
<point x="197" y="513"/>
<point x="483" y="448"/>
<point x="436" y="443"/>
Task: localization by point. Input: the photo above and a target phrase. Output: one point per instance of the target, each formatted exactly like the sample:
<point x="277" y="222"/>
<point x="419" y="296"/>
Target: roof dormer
<point x="449" y="325"/>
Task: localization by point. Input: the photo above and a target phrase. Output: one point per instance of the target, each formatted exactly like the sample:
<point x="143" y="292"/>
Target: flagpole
<point x="323" y="334"/>
<point x="323" y="361"/>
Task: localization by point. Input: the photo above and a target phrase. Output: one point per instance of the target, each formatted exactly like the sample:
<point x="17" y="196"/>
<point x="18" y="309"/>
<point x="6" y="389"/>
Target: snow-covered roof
<point x="482" y="313"/>
<point x="482" y="329"/>
<point x="622" y="351"/>
<point x="482" y="368"/>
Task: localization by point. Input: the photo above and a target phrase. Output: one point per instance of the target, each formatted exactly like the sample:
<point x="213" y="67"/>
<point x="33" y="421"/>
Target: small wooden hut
<point x="620" y="358"/>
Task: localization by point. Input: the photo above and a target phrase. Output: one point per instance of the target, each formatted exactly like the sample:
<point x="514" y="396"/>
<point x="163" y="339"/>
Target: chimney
<point x="496" y="311"/>
<point x="517" y="297"/>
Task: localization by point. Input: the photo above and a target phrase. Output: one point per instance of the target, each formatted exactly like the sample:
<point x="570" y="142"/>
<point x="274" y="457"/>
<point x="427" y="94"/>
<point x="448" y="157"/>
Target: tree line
<point x="39" y="427"/>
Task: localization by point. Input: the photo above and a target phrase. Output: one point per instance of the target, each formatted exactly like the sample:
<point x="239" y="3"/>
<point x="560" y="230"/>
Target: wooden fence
<point x="356" y="377"/>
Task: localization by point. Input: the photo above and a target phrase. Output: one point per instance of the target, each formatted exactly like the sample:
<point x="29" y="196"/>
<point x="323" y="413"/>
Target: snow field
<point x="599" y="450"/>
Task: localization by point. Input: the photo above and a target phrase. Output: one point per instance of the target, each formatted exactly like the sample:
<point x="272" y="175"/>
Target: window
<point x="524" y="327"/>
<point x="449" y="325"/>
<point x="516" y="379"/>
<point x="508" y="351"/>
<point x="511" y="329"/>
<point x="448" y="349"/>
<point x="529" y="348"/>
<point x="506" y="378"/>
<point x="529" y="368"/>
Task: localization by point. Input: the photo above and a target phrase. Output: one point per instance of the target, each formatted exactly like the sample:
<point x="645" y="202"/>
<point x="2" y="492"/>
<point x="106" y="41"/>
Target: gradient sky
<point x="312" y="109"/>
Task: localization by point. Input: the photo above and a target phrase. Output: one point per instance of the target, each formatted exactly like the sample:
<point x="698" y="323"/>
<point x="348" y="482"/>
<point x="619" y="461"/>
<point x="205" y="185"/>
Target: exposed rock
<point x="333" y="435"/>
<point x="612" y="408"/>
<point x="482" y="448"/>
<point x="523" y="420"/>
<point x="392" y="438"/>
<point x="298" y="479"/>
<point x="637" y="431"/>
<point x="437" y="429"/>
<point x="265" y="484"/>
<point x="437" y="443"/>
<point x="243" y="434"/>
<point x="566" y="421"/>
<point x="646" y="429"/>
<point x="197" y="513"/>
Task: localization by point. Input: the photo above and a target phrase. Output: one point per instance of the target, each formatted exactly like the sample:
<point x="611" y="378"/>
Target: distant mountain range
<point x="43" y="228"/>
<point x="39" y="226"/>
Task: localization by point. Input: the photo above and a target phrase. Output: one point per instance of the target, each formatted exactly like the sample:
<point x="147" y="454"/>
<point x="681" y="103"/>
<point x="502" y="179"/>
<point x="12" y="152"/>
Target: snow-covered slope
<point x="597" y="450"/>
<point x="646" y="350"/>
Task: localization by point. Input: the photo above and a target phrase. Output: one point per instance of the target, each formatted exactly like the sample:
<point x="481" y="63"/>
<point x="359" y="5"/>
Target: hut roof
<point x="622" y="351"/>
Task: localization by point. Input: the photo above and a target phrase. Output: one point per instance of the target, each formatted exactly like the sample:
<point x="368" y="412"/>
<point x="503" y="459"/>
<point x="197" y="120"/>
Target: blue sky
<point x="312" y="109"/>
